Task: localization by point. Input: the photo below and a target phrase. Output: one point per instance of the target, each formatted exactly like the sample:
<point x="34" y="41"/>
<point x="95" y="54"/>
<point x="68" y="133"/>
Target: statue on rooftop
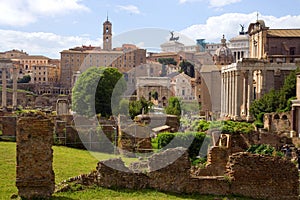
<point x="172" y="38"/>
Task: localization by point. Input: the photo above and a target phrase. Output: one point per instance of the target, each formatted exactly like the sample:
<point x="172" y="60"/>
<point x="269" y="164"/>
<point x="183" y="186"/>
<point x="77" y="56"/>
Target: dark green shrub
<point x="264" y="149"/>
<point x="192" y="141"/>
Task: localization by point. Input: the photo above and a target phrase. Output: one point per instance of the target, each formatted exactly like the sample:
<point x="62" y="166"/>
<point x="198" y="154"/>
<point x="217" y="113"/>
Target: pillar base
<point x="4" y="109"/>
<point x="293" y="134"/>
<point x="237" y="118"/>
<point x="249" y="118"/>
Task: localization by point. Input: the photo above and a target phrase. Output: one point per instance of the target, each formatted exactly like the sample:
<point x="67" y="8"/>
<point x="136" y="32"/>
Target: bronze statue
<point x="172" y="38"/>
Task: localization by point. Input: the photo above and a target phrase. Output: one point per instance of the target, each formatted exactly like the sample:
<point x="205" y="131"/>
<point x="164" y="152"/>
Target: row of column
<point x="236" y="94"/>
<point x="4" y="85"/>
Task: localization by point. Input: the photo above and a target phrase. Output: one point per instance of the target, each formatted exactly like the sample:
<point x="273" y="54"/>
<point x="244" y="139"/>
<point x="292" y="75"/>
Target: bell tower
<point x="107" y="35"/>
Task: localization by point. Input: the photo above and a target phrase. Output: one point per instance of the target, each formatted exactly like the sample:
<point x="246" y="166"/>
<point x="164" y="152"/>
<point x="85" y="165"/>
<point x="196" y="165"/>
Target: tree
<point x="137" y="107"/>
<point x="124" y="107"/>
<point x="97" y="91"/>
<point x="188" y="68"/>
<point x="173" y="107"/>
<point x="275" y="101"/>
<point x="25" y="79"/>
<point x="167" y="61"/>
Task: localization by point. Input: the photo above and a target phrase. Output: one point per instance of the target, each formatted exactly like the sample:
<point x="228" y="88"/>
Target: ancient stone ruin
<point x="35" y="176"/>
<point x="244" y="174"/>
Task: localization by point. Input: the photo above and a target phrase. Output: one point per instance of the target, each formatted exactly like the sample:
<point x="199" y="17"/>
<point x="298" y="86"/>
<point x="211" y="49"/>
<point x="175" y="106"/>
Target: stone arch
<point x="284" y="117"/>
<point x="164" y="101"/>
<point x="276" y="116"/>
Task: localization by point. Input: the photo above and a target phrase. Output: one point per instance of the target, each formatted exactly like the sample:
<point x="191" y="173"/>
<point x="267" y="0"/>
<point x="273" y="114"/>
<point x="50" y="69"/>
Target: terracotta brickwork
<point x="246" y="174"/>
<point x="9" y="124"/>
<point x="35" y="175"/>
<point x="265" y="177"/>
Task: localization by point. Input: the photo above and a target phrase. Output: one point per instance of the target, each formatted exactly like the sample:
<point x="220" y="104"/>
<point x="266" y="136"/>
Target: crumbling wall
<point x="113" y="173"/>
<point x="277" y="122"/>
<point x="260" y="176"/>
<point x="216" y="162"/>
<point x="170" y="170"/>
<point x="35" y="176"/>
<point x="9" y="124"/>
<point x="135" y="138"/>
<point x="246" y="174"/>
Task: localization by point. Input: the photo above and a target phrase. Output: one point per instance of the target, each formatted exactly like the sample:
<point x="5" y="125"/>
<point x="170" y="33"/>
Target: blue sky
<point x="48" y="26"/>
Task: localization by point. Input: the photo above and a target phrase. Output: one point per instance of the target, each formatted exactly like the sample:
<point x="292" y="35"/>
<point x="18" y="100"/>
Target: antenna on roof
<point x="257" y="16"/>
<point x="106" y="15"/>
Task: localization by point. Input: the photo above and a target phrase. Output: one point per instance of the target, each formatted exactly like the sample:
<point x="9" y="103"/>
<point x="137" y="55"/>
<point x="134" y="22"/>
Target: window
<point x="292" y="50"/>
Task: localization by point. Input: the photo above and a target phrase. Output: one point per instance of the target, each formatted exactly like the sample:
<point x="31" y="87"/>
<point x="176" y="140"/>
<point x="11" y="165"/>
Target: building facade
<point x="266" y="69"/>
<point x="275" y="45"/>
<point x="239" y="46"/>
<point x="41" y="69"/>
<point x="181" y="86"/>
<point x="76" y="60"/>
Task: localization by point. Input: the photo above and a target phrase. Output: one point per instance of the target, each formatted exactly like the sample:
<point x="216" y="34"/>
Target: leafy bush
<point x="276" y="101"/>
<point x="200" y="125"/>
<point x="264" y="149"/>
<point x="201" y="162"/>
<point x="163" y="139"/>
<point x="173" y="107"/>
<point x="192" y="140"/>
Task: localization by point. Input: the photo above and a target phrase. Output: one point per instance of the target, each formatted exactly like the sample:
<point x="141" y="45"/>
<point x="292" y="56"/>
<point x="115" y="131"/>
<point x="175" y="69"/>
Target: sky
<point x="46" y="27"/>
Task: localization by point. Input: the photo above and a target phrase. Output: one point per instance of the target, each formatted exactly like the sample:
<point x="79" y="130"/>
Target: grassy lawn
<point x="70" y="162"/>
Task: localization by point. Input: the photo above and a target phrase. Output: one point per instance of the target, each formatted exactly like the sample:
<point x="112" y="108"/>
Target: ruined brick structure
<point x="265" y="177"/>
<point x="246" y="174"/>
<point x="35" y="175"/>
<point x="135" y="138"/>
<point x="277" y="122"/>
<point x="9" y="124"/>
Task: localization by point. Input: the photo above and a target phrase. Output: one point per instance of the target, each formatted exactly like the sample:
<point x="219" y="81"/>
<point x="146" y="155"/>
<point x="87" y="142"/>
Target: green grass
<point x="69" y="162"/>
<point x="7" y="170"/>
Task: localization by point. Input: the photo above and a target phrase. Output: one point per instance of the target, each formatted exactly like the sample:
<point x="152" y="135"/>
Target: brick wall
<point x="35" y="176"/>
<point x="247" y="175"/>
<point x="260" y="176"/>
<point x="277" y="122"/>
<point x="9" y="124"/>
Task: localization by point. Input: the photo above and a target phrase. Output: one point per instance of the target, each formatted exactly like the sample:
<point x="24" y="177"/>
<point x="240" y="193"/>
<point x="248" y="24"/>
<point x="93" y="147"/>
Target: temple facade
<point x="273" y="54"/>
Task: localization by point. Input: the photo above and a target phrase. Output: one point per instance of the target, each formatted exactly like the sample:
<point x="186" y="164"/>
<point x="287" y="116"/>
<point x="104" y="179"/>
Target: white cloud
<point x="53" y="7"/>
<point x="188" y="1"/>
<point x="229" y="24"/>
<point x="212" y="3"/>
<point x="129" y="8"/>
<point x="41" y="43"/>
<point x="221" y="3"/>
<point x="24" y="12"/>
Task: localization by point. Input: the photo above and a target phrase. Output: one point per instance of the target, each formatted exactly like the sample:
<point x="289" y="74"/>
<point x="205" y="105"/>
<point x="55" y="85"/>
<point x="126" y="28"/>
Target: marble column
<point x="235" y="104"/>
<point x="230" y="95"/>
<point x="263" y="82"/>
<point x="225" y="93"/>
<point x="250" y="94"/>
<point x="222" y="94"/>
<point x="233" y="110"/>
<point x="4" y="99"/>
<point x="245" y="92"/>
<point x="15" y="78"/>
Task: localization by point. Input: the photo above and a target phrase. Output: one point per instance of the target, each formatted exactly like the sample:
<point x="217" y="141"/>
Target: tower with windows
<point x="107" y="35"/>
